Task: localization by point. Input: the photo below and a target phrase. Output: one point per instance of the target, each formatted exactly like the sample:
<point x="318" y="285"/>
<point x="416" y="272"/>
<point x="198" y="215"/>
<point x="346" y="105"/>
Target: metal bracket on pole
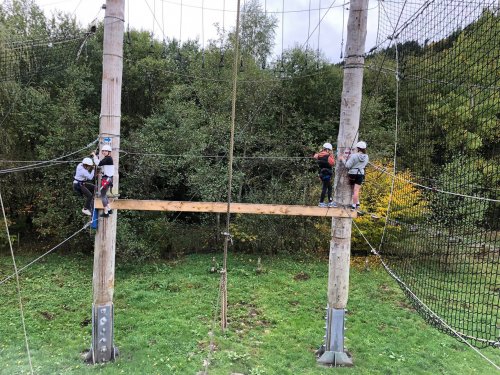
<point x="334" y="353"/>
<point x="102" y="349"/>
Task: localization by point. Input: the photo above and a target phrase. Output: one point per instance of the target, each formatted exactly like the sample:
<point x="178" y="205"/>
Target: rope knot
<point x="228" y="236"/>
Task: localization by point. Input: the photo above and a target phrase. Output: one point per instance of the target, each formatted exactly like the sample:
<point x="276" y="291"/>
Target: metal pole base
<point x="333" y="353"/>
<point x="89" y="359"/>
<point x="335" y="359"/>
<point x="102" y="349"/>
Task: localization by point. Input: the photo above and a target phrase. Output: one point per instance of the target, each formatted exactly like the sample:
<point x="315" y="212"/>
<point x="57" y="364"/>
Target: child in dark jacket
<point x="325" y="164"/>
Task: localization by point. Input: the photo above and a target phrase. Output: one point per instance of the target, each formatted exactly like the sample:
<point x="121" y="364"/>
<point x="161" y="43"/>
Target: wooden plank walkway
<point x="219" y="207"/>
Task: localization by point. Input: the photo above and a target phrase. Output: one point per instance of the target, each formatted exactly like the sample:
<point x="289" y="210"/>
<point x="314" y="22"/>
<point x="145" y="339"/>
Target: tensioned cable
<point x="435" y="180"/>
<point x="162" y="22"/>
<point x="394" y="160"/>
<point x="203" y="32"/>
<point x="18" y="286"/>
<point x="15" y="45"/>
<point x="211" y="344"/>
<point x="282" y="30"/>
<point x="38" y="161"/>
<point x="431" y="312"/>
<point x="244" y="80"/>
<point x="180" y="25"/>
<point x="435" y="189"/>
<point x="428" y="80"/>
<point x="38" y="165"/>
<point x="223" y="16"/>
<point x="154" y="13"/>
<point x="230" y="171"/>
<point x="379" y="72"/>
<point x="234" y="11"/>
<point x="343" y="26"/>
<point x="218" y="156"/>
<point x="321" y="20"/>
<point x="309" y="25"/>
<point x="319" y="32"/>
<point x="45" y="254"/>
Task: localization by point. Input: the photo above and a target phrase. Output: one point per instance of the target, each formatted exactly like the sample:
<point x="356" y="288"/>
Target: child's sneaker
<point x="353" y="206"/>
<point x="332" y="204"/>
<point x="321" y="204"/>
<point x="86" y="212"/>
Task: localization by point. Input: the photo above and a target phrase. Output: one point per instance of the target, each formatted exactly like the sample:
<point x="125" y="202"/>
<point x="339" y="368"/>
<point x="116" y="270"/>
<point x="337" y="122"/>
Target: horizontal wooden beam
<point x="218" y="207"/>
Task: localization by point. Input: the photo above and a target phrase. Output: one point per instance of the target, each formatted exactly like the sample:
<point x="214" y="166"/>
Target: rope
<point x="45" y="254"/>
<point x="46" y="163"/>
<point x="218" y="156"/>
<point x="427" y="308"/>
<point x="18" y="287"/>
<point x="435" y="189"/>
<point x="230" y="172"/>
<point x="211" y="346"/>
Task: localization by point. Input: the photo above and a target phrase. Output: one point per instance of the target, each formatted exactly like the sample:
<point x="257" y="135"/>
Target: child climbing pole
<point x="82" y="184"/>
<point x="107" y="170"/>
<point x="325" y="164"/>
<point x="356" y="164"/>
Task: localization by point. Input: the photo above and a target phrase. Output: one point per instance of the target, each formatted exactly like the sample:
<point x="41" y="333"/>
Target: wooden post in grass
<point x="102" y="349"/>
<point x="333" y="352"/>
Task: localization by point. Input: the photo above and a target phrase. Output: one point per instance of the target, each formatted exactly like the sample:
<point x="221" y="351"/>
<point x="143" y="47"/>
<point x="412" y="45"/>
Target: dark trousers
<point x="87" y="190"/>
<point x="327" y="187"/>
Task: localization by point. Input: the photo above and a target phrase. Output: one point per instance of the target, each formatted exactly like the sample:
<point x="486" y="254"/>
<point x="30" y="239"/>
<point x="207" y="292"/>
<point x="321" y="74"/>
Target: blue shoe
<point x="321" y="204"/>
<point x="332" y="204"/>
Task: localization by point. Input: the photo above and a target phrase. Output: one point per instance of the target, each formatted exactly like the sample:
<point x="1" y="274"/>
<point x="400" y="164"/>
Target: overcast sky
<point x="167" y="19"/>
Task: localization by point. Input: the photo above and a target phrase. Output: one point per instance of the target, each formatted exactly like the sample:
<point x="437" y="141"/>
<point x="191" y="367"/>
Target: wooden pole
<point x="102" y="349"/>
<point x="340" y="244"/>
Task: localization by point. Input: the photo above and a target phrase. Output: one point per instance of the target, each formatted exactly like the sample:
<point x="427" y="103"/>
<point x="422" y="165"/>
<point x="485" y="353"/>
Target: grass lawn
<point x="164" y="312"/>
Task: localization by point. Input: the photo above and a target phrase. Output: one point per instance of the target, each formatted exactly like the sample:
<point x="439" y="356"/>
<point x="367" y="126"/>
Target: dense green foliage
<point x="175" y="133"/>
<point x="176" y="104"/>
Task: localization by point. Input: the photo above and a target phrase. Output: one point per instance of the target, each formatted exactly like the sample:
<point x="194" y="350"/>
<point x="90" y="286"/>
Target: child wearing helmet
<point x="356" y="164"/>
<point x="325" y="164"/>
<point x="107" y="170"/>
<point x="82" y="183"/>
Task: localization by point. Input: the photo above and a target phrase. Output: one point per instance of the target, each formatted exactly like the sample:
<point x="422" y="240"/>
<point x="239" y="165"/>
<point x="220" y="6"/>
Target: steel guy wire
<point x="46" y="253"/>
<point x="43" y="164"/>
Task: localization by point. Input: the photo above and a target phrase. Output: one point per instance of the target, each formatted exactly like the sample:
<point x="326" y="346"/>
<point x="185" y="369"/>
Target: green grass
<point x="164" y="311"/>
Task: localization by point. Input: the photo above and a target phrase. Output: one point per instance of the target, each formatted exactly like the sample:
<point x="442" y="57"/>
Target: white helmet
<point x="361" y="144"/>
<point x="106" y="148"/>
<point x="328" y="146"/>
<point x="87" y="161"/>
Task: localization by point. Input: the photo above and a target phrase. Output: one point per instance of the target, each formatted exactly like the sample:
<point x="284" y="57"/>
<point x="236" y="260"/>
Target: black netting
<point x="22" y="60"/>
<point x="442" y="237"/>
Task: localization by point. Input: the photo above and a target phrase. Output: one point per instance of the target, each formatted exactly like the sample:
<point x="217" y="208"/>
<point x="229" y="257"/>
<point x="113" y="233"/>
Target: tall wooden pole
<point x="102" y="349"/>
<point x="340" y="244"/>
